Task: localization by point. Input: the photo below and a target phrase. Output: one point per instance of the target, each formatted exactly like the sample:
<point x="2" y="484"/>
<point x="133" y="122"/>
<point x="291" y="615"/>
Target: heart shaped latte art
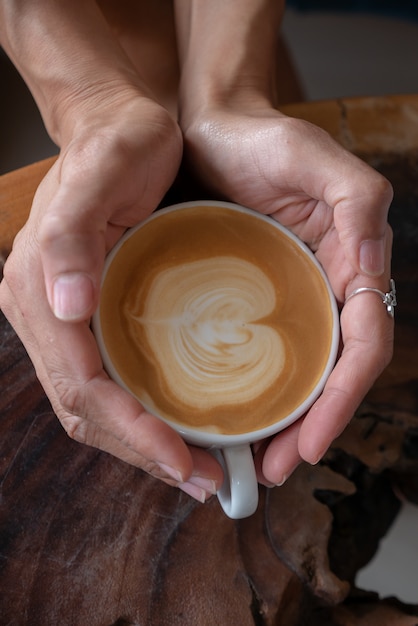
<point x="206" y="325"/>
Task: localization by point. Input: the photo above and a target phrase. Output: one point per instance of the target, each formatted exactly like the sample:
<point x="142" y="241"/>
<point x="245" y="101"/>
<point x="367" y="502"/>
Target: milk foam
<point x="206" y="325"/>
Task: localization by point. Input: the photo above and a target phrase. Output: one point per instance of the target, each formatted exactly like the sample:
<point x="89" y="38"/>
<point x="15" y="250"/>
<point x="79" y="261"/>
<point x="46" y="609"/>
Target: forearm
<point x="227" y="52"/>
<point x="68" y="57"/>
<point x="146" y="32"/>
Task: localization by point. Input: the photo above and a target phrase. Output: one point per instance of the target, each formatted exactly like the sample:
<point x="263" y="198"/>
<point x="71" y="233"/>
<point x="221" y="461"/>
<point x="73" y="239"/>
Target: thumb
<point x="72" y="248"/>
<point x="361" y="220"/>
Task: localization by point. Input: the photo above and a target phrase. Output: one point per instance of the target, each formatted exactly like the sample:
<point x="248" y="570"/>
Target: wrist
<point x="205" y="105"/>
<point x="70" y="60"/>
<point x="228" y="54"/>
<point x="88" y="108"/>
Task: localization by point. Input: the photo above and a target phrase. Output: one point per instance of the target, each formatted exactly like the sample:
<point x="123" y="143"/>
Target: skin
<point x="110" y="102"/>
<point x="295" y="172"/>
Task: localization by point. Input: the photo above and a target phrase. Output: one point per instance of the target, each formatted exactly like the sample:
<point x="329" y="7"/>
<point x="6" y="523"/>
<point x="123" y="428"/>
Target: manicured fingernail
<point x="72" y="296"/>
<point x="372" y="257"/>
<point x="194" y="491"/>
<point x="172" y="472"/>
<point x="204" y="483"/>
<point x="199" y="488"/>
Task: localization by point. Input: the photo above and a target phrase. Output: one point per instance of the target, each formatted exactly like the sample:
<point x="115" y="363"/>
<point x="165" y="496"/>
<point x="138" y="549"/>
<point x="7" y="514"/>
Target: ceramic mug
<point x="222" y="323"/>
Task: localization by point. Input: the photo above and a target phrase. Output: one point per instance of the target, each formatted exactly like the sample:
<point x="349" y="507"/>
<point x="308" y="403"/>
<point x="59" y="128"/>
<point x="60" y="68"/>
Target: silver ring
<point x="388" y="299"/>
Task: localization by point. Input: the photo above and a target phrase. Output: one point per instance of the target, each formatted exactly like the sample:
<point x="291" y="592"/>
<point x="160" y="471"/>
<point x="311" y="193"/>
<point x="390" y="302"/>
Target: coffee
<point x="215" y="319"/>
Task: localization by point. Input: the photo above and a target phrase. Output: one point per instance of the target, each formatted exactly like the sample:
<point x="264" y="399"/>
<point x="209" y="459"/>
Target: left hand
<point x="108" y="178"/>
<point x="338" y="205"/>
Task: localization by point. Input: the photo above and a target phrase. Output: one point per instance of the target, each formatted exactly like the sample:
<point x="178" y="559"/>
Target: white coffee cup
<point x="238" y="495"/>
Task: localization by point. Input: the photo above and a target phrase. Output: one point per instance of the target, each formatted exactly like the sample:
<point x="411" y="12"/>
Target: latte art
<point x="215" y="319"/>
<point x="211" y="337"/>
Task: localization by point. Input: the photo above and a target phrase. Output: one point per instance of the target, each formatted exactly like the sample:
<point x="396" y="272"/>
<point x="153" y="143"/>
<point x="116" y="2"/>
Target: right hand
<point x="338" y="205"/>
<point x="108" y="177"/>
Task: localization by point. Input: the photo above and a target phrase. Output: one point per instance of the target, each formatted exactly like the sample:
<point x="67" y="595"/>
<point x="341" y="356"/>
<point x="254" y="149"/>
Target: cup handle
<point x="238" y="495"/>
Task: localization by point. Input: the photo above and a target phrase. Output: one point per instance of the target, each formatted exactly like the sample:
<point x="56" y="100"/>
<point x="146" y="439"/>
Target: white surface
<point x="394" y="569"/>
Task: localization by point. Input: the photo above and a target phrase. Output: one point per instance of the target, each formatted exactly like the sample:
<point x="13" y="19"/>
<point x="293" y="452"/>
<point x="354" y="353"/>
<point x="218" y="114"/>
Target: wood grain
<point x="16" y="194"/>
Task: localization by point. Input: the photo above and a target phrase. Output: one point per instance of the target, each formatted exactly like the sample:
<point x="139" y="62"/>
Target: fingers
<point x="356" y="196"/>
<point x="72" y="265"/>
<point x="102" y="183"/>
<point x="93" y="409"/>
<point x="361" y="221"/>
<point x="207" y="476"/>
<point x="367" y="332"/>
<point x="338" y="205"/>
<point x="72" y="235"/>
<point x="359" y="196"/>
<point x="72" y="256"/>
<point x="275" y="460"/>
<point x="367" y="336"/>
<point x="368" y="344"/>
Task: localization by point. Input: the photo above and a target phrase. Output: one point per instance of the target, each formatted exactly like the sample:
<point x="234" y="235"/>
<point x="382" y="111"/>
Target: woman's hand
<point x="338" y="205"/>
<point x="119" y="153"/>
<point x="110" y="177"/>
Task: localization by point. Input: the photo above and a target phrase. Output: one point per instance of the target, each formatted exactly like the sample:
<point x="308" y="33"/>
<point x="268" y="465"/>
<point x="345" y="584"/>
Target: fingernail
<point x="372" y="257"/>
<point x="204" y="483"/>
<point x="172" y="472"/>
<point x="72" y="296"/>
<point x="194" y="491"/>
<point x="287" y="475"/>
<point x="319" y="457"/>
<point x="199" y="488"/>
<point x="282" y="480"/>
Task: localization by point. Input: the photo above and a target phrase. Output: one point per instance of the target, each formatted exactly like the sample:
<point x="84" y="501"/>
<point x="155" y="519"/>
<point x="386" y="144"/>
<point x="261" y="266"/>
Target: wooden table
<point x="86" y="539"/>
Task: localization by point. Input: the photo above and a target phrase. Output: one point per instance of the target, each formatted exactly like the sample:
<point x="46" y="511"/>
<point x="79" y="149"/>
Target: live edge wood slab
<point x="86" y="539"/>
